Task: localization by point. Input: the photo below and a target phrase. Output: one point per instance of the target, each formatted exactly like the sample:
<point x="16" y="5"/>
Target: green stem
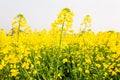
<point x="60" y="45"/>
<point x="34" y="62"/>
<point x="61" y="37"/>
<point x="25" y="71"/>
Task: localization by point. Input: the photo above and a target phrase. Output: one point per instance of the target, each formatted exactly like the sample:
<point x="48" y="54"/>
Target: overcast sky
<point x="41" y="13"/>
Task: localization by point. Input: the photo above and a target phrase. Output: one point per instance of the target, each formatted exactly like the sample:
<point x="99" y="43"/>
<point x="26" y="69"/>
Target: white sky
<point x="41" y="13"/>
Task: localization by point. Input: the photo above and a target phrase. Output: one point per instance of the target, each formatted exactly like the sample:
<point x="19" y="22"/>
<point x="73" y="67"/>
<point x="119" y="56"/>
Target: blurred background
<point x="40" y="14"/>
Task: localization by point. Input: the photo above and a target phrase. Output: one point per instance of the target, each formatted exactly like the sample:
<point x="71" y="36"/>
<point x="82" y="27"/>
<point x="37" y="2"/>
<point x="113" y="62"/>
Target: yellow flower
<point x="111" y="79"/>
<point x="105" y="74"/>
<point x="80" y="69"/>
<point x="13" y="60"/>
<point x="65" y="17"/>
<point x="118" y="65"/>
<point x="65" y="60"/>
<point x="35" y="72"/>
<point x="111" y="66"/>
<point x="32" y="66"/>
<point x="87" y="19"/>
<point x="14" y="72"/>
<point x="31" y="78"/>
<point x="87" y="71"/>
<point x="19" y="20"/>
<point x="73" y="62"/>
<point x="117" y="70"/>
<point x="25" y="65"/>
<point x="59" y="75"/>
<point x="13" y="66"/>
<point x="38" y="62"/>
<point x="87" y="22"/>
<point x="110" y="70"/>
<point x="105" y="65"/>
<point x="1" y="67"/>
<point x="114" y="73"/>
<point x="88" y="61"/>
<point x="98" y="65"/>
<point x="60" y="21"/>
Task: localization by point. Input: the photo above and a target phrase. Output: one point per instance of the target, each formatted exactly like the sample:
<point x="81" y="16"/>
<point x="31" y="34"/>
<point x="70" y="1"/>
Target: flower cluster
<point x="33" y="55"/>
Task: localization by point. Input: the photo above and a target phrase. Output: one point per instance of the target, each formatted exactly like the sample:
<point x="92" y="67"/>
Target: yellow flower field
<point x="58" y="54"/>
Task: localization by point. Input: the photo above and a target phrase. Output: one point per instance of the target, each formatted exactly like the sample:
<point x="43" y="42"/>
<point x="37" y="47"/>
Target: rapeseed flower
<point x="65" y="60"/>
<point x="14" y="72"/>
<point x="87" y="71"/>
<point x="35" y="72"/>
